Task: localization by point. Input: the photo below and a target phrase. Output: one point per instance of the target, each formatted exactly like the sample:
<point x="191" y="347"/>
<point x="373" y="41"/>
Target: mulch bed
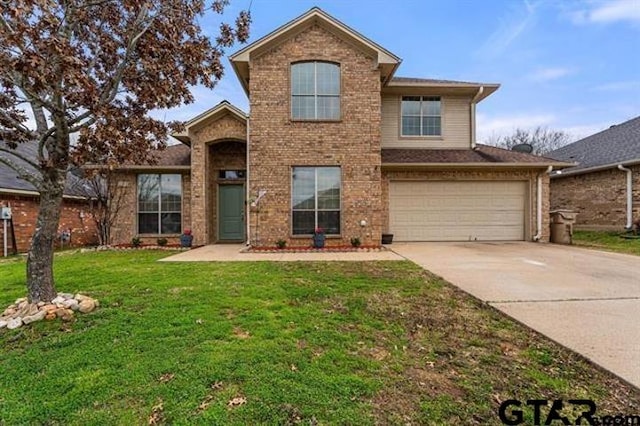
<point x="309" y="249"/>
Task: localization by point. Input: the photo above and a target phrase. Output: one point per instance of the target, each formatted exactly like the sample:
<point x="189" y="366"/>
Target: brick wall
<point x="600" y="198"/>
<point x="75" y="215"/>
<point x="203" y="172"/>
<point x="469" y="175"/>
<point x="125" y="227"/>
<point x="277" y="143"/>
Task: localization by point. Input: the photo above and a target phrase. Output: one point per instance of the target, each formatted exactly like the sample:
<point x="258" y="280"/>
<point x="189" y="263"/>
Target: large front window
<point x="421" y="116"/>
<point x="315" y="91"/>
<point x="159" y="204"/>
<point x="316" y="200"/>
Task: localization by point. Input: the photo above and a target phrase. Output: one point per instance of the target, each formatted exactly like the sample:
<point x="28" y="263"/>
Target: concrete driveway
<point x="586" y="300"/>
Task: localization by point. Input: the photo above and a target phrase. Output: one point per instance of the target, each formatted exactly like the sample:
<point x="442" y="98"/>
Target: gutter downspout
<point x="629" y="196"/>
<point x="247" y="204"/>
<point x="473" y="116"/>
<point x="539" y="204"/>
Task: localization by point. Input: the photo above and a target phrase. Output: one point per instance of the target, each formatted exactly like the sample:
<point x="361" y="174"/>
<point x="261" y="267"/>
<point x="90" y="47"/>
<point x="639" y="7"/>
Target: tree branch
<point x="17" y="125"/>
<point x="20" y="156"/>
<point x="23" y="173"/>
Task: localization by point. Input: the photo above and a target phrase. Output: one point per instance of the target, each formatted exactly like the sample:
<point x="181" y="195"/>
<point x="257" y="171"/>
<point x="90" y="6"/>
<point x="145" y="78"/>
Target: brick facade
<point x="474" y="175"/>
<point x="277" y="143"/>
<point x="75" y="215"/>
<point x="126" y="224"/>
<point x="600" y="198"/>
<point x="206" y="160"/>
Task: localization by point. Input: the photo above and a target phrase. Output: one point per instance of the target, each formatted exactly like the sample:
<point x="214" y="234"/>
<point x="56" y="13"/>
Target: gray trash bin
<point x="562" y="222"/>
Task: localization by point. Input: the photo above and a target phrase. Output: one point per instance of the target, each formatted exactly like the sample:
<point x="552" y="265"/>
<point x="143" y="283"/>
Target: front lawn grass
<point x="278" y="343"/>
<point x="610" y="241"/>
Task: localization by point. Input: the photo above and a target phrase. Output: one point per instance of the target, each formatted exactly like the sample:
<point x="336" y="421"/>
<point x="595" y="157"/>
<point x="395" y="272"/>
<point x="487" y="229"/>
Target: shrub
<point x="281" y="243"/>
<point x="162" y="242"/>
<point x="355" y="242"/>
<point x="136" y="242"/>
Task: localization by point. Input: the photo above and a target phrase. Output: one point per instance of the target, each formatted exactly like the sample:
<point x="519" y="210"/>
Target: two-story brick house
<point x="335" y="140"/>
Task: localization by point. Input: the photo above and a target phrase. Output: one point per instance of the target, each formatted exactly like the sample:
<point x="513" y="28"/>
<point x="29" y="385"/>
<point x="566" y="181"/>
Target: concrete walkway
<point x="232" y="253"/>
<point x="586" y="300"/>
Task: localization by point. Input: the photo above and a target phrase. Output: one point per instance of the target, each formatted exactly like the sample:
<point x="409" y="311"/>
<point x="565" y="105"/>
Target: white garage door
<point x="457" y="211"/>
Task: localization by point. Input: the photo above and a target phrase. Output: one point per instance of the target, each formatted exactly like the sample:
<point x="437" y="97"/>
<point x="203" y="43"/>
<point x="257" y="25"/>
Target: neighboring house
<point x="604" y="188"/>
<point x="23" y="199"/>
<point x="336" y="141"/>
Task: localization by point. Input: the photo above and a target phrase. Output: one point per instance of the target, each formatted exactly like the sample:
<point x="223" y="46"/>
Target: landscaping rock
<point x="14" y="323"/>
<point x="87" y="306"/>
<point x="49" y="308"/>
<point x="62" y="306"/>
<point x="38" y="316"/>
<point x="80" y="297"/>
<point x="57" y="300"/>
<point x="71" y="304"/>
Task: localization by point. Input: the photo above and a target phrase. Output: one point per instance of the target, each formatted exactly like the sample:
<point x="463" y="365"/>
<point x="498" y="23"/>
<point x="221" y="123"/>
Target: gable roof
<point x="387" y="61"/>
<point x="10" y="182"/>
<point x="619" y="144"/>
<point x="212" y="114"/>
<point x="482" y="156"/>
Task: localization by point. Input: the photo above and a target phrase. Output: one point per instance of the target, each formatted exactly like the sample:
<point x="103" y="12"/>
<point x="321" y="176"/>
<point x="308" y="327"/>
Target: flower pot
<point x="387" y="238"/>
<point x="318" y="240"/>
<point x="186" y="240"/>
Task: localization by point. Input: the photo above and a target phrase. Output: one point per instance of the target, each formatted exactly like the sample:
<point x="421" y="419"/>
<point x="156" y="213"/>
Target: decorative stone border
<point x="63" y="306"/>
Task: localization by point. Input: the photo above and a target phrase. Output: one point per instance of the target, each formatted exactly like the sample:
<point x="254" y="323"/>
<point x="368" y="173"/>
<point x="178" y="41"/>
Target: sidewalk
<point x="232" y="253"/>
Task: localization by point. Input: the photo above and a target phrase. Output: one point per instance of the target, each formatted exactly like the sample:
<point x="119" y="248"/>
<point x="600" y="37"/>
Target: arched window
<point x="315" y="91"/>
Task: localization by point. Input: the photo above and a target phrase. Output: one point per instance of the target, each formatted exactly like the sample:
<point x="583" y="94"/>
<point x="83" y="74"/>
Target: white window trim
<point x="315" y="92"/>
<point x="421" y="136"/>
<point x="315" y="207"/>
<point x="159" y="211"/>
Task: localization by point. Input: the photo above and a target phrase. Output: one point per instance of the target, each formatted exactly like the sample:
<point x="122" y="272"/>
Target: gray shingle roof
<point x="430" y="80"/>
<point x="9" y="178"/>
<point x="482" y="154"/>
<point x="618" y="144"/>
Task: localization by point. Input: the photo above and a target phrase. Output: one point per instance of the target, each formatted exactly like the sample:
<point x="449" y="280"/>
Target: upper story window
<point x="421" y="116"/>
<point x="315" y="91"/>
<point x="159" y="204"/>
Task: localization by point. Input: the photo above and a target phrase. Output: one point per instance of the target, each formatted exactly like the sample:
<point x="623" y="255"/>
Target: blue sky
<point x="568" y="65"/>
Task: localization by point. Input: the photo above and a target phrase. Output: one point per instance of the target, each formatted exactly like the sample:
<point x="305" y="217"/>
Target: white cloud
<point x="489" y="127"/>
<point x="548" y="74"/>
<point x="511" y="27"/>
<point x="619" y="86"/>
<point x="608" y="12"/>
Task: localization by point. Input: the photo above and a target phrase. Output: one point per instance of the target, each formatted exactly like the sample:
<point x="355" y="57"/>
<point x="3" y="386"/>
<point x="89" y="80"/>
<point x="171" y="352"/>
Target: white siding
<point x="456" y="125"/>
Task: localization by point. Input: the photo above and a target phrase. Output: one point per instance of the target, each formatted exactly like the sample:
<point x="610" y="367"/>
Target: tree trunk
<point x="40" y="258"/>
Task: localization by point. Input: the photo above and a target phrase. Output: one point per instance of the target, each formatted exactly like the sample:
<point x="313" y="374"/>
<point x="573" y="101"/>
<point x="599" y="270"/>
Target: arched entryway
<point x="226" y="191"/>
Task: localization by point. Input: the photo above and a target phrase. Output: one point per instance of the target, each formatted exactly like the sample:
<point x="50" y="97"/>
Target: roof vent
<point x="523" y="147"/>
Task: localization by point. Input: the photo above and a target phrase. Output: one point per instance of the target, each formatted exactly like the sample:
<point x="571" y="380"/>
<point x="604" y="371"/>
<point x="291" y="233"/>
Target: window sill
<point x="425" y="138"/>
<point x="310" y="120"/>
<point x="306" y="237"/>
<point x="158" y="235"/>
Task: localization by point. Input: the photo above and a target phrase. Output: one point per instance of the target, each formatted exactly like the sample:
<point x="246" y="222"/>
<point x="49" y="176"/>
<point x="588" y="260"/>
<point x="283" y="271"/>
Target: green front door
<point x="231" y="212"/>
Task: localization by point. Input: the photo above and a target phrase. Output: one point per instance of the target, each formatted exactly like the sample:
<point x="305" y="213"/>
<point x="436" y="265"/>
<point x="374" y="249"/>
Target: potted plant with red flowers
<point x="186" y="239"/>
<point x="318" y="238"/>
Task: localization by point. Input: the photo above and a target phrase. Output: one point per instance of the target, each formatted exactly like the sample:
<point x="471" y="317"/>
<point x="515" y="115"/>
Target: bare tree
<point x="107" y="196"/>
<point x="542" y="139"/>
<point x="95" y="68"/>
